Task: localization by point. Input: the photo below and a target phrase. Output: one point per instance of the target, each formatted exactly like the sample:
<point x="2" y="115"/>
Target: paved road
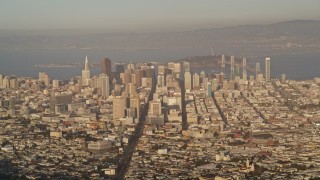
<point x="125" y="159"/>
<point x="183" y="105"/>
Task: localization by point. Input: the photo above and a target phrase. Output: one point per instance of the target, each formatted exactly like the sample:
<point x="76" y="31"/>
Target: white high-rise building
<point x="119" y="106"/>
<point x="131" y="90"/>
<point x="187" y="80"/>
<point x="14" y="83"/>
<point x="155" y="108"/>
<point x="1" y="79"/>
<point x="177" y="68"/>
<point x="283" y="78"/>
<point x="202" y="74"/>
<point x="55" y="84"/>
<point x="267" y="70"/>
<point x="130" y="66"/>
<point x="161" y="81"/>
<point x="103" y="85"/>
<point x="161" y="70"/>
<point x="196" y="80"/>
<point x="86" y="73"/>
<point x="204" y="83"/>
<point x="6" y="82"/>
<point x="171" y="66"/>
<point x="44" y="78"/>
<point x="223" y="59"/>
<point x="186" y="66"/>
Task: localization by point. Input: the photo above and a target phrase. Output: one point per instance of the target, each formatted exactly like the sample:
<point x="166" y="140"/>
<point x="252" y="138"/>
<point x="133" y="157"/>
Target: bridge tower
<point x="232" y="67"/>
<point x="244" y="69"/>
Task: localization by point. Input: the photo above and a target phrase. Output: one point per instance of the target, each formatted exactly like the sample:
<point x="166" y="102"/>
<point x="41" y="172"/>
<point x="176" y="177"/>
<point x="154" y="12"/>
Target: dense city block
<point x="160" y="121"/>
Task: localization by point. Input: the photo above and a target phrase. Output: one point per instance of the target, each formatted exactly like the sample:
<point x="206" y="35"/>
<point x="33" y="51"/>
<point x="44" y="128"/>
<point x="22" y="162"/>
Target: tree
<point x="215" y="134"/>
<point x="6" y="142"/>
<point x="246" y="135"/>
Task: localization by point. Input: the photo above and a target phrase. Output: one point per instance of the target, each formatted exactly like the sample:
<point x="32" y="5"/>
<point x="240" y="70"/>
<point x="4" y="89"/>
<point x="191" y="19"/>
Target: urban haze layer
<point x="160" y="121"/>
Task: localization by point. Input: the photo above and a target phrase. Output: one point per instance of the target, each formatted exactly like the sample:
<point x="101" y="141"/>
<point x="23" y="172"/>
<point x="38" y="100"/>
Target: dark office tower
<point x="150" y="73"/>
<point x="119" y="68"/>
<point x="106" y="66"/>
<point x="59" y="103"/>
<point x="138" y="74"/>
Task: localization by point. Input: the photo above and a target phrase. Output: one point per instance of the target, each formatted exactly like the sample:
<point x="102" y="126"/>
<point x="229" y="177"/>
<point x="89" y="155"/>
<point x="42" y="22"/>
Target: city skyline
<point x="200" y="125"/>
<point x="184" y="89"/>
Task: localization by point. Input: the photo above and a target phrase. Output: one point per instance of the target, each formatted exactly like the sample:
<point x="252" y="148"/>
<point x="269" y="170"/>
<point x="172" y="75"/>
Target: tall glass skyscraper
<point x="267" y="70"/>
<point x="106" y="66"/>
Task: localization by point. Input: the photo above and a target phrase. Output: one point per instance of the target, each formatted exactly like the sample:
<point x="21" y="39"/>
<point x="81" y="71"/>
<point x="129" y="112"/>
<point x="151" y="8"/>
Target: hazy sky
<point x="150" y="15"/>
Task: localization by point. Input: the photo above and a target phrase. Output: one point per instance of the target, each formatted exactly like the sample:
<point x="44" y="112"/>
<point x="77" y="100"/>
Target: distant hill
<point x="202" y="61"/>
<point x="208" y="61"/>
<point x="283" y="35"/>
